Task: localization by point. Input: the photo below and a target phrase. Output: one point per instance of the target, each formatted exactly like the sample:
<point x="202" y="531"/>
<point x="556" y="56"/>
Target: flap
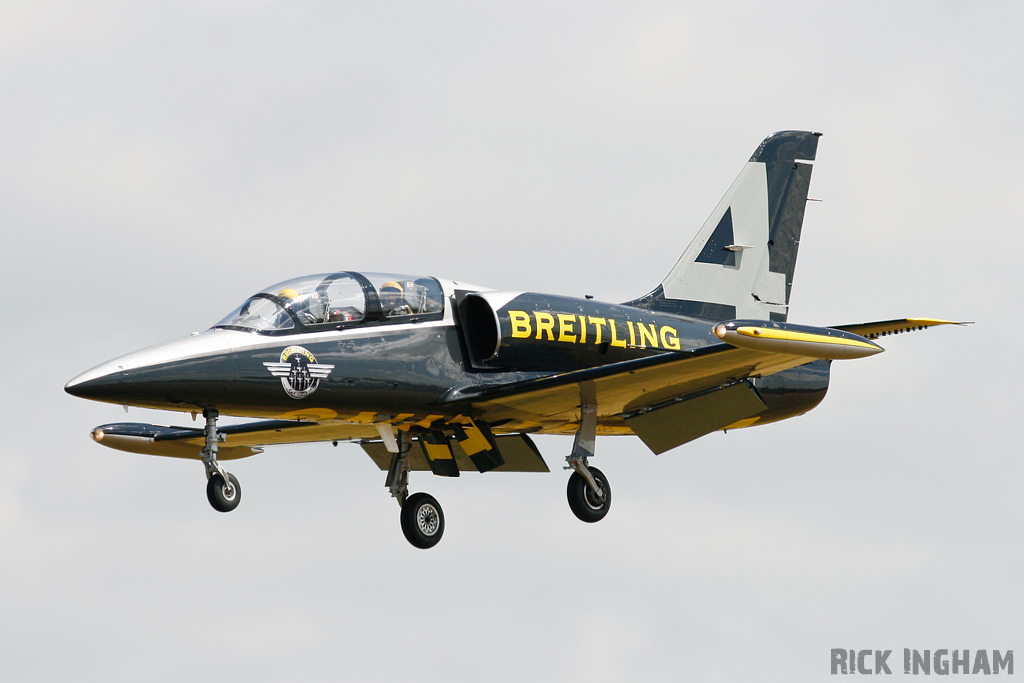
<point x="684" y="419"/>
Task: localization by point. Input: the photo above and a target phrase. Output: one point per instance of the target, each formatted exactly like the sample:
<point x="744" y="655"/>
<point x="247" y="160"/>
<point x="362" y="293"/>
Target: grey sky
<point x="161" y="161"/>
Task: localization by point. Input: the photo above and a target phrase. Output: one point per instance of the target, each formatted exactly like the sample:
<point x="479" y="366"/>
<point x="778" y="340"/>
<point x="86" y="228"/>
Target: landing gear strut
<point x="422" y="517"/>
<point x="588" y="491"/>
<point x="222" y="488"/>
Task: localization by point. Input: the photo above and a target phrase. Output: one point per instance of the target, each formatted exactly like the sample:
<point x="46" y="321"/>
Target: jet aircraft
<point x="428" y="374"/>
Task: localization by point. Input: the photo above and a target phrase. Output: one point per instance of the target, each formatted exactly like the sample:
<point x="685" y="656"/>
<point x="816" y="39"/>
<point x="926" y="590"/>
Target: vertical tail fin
<point x="741" y="263"/>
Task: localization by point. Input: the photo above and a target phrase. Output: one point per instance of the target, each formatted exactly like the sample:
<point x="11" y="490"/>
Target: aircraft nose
<point x="181" y="370"/>
<point x="93" y="385"/>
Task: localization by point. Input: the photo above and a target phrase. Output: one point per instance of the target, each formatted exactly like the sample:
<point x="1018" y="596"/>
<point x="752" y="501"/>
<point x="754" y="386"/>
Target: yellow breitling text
<point x="570" y="328"/>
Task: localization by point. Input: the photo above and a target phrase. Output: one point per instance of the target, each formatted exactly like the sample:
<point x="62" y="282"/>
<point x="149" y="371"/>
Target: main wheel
<point x="224" y="496"/>
<point x="583" y="502"/>
<point x="422" y="520"/>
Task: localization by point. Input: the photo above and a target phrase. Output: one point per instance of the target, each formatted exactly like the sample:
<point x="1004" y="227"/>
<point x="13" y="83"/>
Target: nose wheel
<point x="222" y="489"/>
<point x="224" y="495"/>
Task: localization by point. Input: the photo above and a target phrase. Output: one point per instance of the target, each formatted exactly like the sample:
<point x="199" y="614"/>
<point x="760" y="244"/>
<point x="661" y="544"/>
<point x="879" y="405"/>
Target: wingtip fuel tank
<point x="797" y="340"/>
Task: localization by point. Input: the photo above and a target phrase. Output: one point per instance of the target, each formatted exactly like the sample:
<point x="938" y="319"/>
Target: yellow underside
<point x="743" y="423"/>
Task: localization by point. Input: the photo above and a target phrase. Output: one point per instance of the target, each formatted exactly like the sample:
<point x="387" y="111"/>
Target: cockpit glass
<point x="258" y="314"/>
<point x="314" y="300"/>
<point x="401" y="295"/>
<point x="329" y="301"/>
<point x="346" y="301"/>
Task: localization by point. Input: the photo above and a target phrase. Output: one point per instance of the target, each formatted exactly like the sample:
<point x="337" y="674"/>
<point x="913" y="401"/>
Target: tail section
<point x="741" y="263"/>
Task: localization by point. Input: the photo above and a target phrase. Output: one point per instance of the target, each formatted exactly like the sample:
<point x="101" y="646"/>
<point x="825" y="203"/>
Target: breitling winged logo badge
<point x="299" y="372"/>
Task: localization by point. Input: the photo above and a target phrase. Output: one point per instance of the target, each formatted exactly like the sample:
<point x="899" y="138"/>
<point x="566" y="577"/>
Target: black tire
<point x="222" y="497"/>
<point x="422" y="520"/>
<point x="583" y="501"/>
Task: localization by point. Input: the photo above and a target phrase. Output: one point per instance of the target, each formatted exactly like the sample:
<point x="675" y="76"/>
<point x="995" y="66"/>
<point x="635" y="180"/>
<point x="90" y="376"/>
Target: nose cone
<point x="162" y="375"/>
<point x="98" y="384"/>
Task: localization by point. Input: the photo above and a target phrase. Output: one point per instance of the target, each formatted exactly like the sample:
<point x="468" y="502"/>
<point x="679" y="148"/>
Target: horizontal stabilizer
<point x="887" y="327"/>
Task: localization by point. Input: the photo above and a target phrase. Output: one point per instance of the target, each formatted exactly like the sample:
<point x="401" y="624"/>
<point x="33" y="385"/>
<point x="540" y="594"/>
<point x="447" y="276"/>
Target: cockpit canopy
<point x="338" y="300"/>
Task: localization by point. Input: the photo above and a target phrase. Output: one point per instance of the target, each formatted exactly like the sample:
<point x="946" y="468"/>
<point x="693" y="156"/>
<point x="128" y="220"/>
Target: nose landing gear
<point x="224" y="495"/>
<point x="222" y="488"/>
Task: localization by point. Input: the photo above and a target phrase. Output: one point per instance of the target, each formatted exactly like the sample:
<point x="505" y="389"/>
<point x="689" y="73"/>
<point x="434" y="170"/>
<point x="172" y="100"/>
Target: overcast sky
<point x="161" y="161"/>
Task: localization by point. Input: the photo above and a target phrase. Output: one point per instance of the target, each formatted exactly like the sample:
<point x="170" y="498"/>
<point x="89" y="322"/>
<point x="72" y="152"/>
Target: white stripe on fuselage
<point x="214" y="342"/>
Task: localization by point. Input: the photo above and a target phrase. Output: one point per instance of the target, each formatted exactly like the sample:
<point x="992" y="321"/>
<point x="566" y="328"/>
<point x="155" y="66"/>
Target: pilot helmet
<point x="391" y="287"/>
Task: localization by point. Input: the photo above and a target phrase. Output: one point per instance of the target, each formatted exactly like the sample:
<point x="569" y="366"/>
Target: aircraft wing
<point x="666" y="399"/>
<point x="519" y="454"/>
<point x="637" y="395"/>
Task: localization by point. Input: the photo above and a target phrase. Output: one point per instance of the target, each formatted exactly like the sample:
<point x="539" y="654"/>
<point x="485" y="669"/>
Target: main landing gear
<point x="588" y="491"/>
<point x="222" y="488"/>
<point x="422" y="520"/>
<point x="589" y="498"/>
<point x="422" y="516"/>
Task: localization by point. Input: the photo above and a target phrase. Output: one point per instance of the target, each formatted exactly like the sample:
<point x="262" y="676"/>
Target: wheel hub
<point x="427" y="520"/>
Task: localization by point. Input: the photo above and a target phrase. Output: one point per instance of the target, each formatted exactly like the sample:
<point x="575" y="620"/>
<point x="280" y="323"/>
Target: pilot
<point x="391" y="300"/>
<point x="310" y="308"/>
